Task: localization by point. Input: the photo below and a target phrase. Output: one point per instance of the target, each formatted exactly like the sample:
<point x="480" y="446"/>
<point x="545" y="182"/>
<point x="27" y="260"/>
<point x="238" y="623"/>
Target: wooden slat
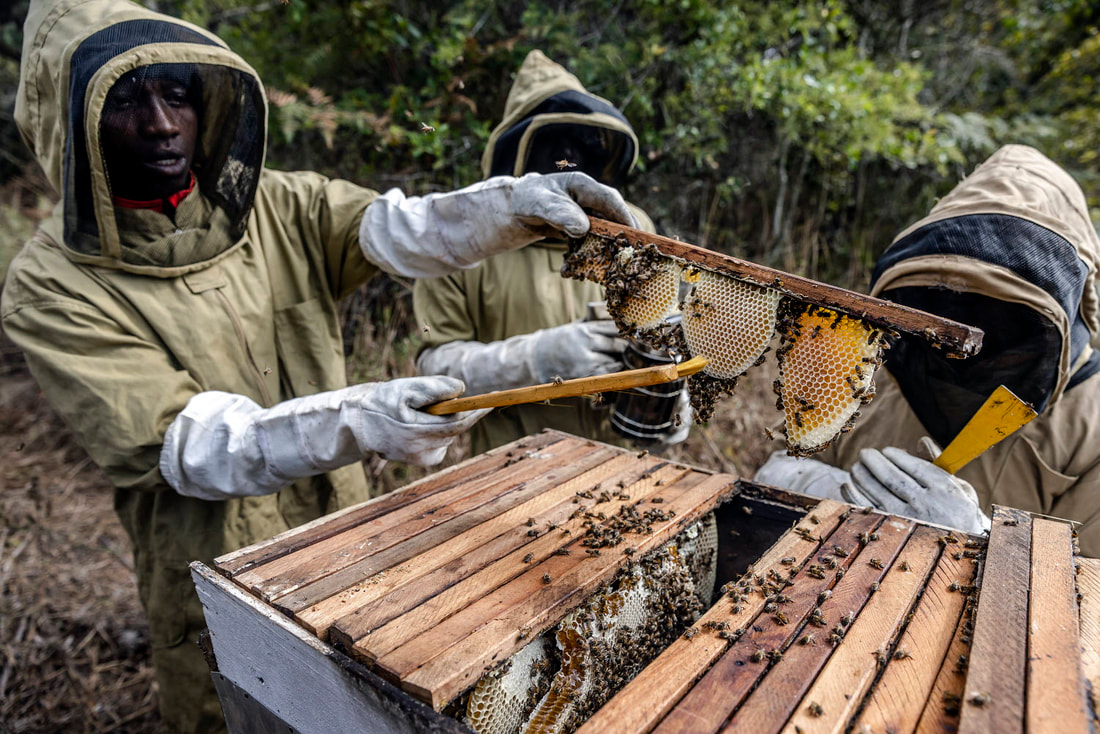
<point x="847" y="677"/>
<point x="376" y="630"/>
<point x="711" y="701"/>
<point x="446" y="528"/>
<point x="1088" y="584"/>
<point x="461" y="664"/>
<point x="994" y="696"/>
<point x="941" y="710"/>
<point x="1057" y="701"/>
<point x="952" y="336"/>
<point x="457" y="504"/>
<point x="377" y="598"/>
<point x="899" y="698"/>
<point x="297" y="538"/>
<point x="646" y="699"/>
<point x="776" y="699"/>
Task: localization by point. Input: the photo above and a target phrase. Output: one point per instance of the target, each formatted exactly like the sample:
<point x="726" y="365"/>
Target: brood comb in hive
<point x="832" y="340"/>
<point x="555" y="682"/>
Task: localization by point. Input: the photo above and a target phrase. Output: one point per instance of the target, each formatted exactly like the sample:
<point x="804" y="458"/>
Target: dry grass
<point x="73" y="634"/>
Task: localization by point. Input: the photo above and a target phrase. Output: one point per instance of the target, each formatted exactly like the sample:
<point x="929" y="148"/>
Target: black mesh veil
<point x="609" y="153"/>
<point x="229" y="153"/>
<point x="1022" y="349"/>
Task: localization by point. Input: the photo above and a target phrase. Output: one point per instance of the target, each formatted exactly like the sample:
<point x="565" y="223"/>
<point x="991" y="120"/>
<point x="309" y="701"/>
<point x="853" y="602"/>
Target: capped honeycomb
<point x="654" y="299"/>
<point x="826" y="367"/>
<point x="602" y="644"/>
<point x="824" y="377"/>
<point x="729" y="322"/>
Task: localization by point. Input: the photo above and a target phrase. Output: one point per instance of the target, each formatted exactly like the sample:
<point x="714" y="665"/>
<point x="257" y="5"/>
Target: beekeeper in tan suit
<point x="1011" y="250"/>
<point x="513" y="320"/>
<point x="179" y="307"/>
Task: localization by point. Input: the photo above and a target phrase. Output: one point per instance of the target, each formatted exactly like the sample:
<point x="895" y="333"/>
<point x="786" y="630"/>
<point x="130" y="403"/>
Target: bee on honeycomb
<point x="827" y="362"/>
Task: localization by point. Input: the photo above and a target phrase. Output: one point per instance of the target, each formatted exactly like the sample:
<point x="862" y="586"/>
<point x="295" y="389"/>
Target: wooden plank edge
<point x="995" y="695"/>
<point x="1057" y="700"/>
<point x="263" y="551"/>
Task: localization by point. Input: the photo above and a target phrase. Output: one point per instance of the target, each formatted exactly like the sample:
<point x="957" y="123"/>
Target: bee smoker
<point x="642" y="414"/>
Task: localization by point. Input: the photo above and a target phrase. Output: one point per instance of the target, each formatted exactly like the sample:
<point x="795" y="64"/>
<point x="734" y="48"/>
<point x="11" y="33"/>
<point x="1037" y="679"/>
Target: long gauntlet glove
<point x="427" y="236"/>
<point x="223" y="445"/>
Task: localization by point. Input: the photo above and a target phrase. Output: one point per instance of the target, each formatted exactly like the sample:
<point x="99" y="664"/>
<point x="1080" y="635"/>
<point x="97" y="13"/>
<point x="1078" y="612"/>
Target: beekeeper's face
<point x="148" y="132"/>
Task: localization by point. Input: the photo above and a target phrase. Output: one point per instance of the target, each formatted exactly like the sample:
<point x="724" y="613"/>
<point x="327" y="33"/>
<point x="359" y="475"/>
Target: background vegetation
<point x="799" y="135"/>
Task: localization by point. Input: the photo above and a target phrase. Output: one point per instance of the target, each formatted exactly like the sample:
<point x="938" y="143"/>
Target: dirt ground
<point x="74" y="639"/>
<point x="73" y="635"/>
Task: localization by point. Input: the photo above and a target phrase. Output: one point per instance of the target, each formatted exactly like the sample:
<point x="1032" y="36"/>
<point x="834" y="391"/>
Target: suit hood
<point x="543" y="97"/>
<point x="73" y="53"/>
<point x="1012" y="250"/>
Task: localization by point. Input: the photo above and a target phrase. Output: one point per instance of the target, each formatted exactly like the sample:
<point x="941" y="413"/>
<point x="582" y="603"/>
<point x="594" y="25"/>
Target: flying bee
<point x="564" y="163"/>
<point x="426" y="128"/>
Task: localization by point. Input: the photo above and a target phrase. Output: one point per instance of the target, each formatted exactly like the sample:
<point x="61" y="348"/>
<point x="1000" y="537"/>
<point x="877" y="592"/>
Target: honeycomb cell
<point x="729" y="322"/>
<point x="826" y="370"/>
<point x="654" y="299"/>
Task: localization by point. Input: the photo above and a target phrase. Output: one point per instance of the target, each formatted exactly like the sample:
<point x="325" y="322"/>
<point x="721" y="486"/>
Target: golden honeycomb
<point x="654" y="299"/>
<point x="826" y="368"/>
<point x="729" y="322"/>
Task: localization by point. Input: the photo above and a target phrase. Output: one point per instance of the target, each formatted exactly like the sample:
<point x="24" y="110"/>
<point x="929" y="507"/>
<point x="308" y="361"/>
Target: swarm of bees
<point x="827" y="359"/>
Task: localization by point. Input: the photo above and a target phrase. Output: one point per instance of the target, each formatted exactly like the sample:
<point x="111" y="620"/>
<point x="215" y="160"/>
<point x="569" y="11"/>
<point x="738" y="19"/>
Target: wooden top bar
<point x="912" y="628"/>
<point x="951" y="336"/>
<point x="852" y="620"/>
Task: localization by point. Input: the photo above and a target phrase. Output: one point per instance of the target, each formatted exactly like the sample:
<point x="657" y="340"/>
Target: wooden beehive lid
<point x="435" y="584"/>
<point x="917" y="629"/>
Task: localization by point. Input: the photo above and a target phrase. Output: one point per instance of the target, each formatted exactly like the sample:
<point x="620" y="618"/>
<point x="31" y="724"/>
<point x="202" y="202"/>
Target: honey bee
<point x="815" y="709"/>
<point x="690" y="633"/>
<point x="524" y="633"/>
<point x="808" y="639"/>
<point x="564" y="163"/>
<point x="558" y="379"/>
<point x="875" y="563"/>
<point x="546" y="578"/>
<point x="529" y="557"/>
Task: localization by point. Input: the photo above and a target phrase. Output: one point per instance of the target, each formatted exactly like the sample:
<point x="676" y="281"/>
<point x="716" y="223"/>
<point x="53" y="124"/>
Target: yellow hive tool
<point x="999" y="417"/>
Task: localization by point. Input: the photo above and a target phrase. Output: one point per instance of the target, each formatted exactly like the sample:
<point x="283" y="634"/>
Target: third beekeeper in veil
<point x="1010" y="250"/>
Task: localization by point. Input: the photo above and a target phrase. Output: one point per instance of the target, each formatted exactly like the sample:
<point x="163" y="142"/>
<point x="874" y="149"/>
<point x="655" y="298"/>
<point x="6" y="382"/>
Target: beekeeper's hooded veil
<point x="546" y="101"/>
<point x="77" y="52"/>
<point x="1012" y="250"/>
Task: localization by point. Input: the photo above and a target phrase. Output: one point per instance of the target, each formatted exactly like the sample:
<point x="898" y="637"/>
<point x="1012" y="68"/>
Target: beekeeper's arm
<point x="224" y="445"/>
<point x="427" y="236"/>
<point x="891" y="480"/>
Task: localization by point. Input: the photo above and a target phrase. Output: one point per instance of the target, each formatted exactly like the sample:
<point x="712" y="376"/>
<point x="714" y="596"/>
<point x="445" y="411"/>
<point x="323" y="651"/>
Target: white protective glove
<point x="802" y="475"/>
<point x="224" y="445"/>
<point x="897" y="482"/>
<point x="428" y="236"/>
<point x="577" y="349"/>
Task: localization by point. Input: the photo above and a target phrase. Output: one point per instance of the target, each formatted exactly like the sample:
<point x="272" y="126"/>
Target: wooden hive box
<point x="832" y="618"/>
